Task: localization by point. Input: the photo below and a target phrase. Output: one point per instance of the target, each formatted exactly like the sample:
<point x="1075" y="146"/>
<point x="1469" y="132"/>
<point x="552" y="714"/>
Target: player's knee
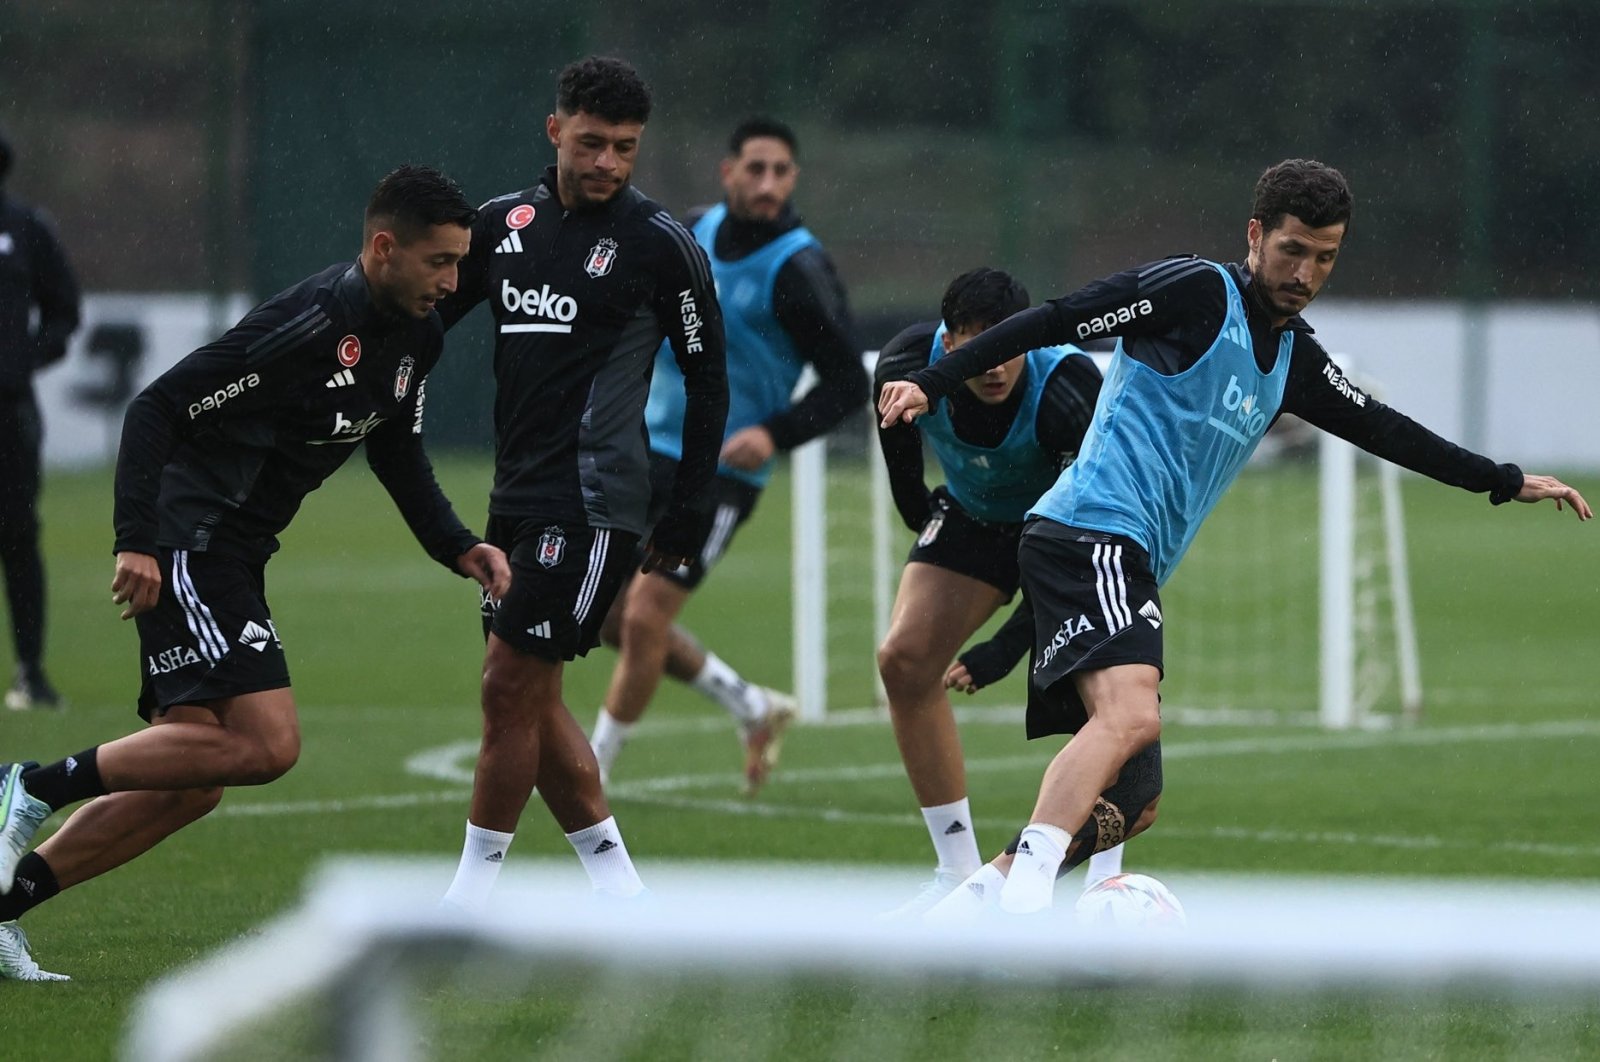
<point x="274" y="757"/>
<point x="643" y="624"/>
<point x="194" y="804"/>
<point x="905" y="670"/>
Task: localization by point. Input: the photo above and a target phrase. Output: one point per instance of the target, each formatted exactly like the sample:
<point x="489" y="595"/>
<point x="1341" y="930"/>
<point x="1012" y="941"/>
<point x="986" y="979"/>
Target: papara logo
<point x="1246" y="420"/>
<point x="216" y="398"/>
<point x="692" y="321"/>
<point x="558" y="310"/>
<point x="1112" y="318"/>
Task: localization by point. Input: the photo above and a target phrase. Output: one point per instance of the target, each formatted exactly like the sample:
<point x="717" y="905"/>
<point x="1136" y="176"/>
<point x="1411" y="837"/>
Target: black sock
<point x="66" y="781"/>
<point x="35" y="884"/>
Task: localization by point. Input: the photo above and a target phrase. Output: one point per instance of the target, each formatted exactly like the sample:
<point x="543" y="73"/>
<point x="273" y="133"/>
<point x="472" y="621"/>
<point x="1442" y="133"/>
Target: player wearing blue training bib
<point x="783" y="307"/>
<point x="1208" y="356"/>
<point x="1000" y="441"/>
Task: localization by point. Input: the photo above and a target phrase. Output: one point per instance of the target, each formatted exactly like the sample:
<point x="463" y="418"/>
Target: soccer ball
<point x="1130" y="901"/>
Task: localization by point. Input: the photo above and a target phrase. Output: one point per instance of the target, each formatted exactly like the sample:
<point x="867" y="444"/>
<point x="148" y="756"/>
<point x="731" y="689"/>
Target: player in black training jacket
<point x="35" y="283"/>
<point x="217" y="455"/>
<point x="585" y="277"/>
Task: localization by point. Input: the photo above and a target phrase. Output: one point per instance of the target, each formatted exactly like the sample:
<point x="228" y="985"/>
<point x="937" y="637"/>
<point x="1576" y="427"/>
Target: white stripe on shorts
<point x="209" y="637"/>
<point x="591" y="580"/>
<point x="1107" y="584"/>
<point x="722" y="526"/>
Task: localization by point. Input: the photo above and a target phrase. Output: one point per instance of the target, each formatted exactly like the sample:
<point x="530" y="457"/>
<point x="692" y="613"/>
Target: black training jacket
<point x="581" y="301"/>
<point x="219" y="451"/>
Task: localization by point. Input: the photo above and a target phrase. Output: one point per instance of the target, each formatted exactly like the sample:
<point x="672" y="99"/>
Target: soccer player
<point x="1000" y="442"/>
<point x="585" y="276"/>
<point x="1209" y="355"/>
<point x="217" y="455"/>
<point x="783" y="305"/>
<point x="35" y="281"/>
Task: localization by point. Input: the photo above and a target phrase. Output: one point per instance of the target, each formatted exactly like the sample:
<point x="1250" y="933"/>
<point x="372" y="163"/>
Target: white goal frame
<point x="1338" y="708"/>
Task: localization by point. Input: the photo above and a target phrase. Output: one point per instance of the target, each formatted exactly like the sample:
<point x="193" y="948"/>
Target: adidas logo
<point x="342" y="378"/>
<point x="255" y="636"/>
<point x="27" y="885"/>
<point x="495" y="857"/>
<point x="605" y="846"/>
<point x="512" y="244"/>
<point x="976" y="888"/>
<point x="1023" y="849"/>
<point x="954" y="828"/>
<point x="71" y="764"/>
<point x="1152" y="612"/>
<point x="541" y="630"/>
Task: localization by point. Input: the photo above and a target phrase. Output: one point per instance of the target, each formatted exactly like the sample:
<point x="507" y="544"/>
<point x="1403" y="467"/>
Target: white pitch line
<point x="446" y="764"/>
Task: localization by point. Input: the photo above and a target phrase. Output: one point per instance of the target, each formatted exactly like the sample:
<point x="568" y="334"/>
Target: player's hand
<point x="658" y="560"/>
<point x="488" y="565"/>
<point x="1538" y="488"/>
<point x="748" y="448"/>
<point x="959" y="678"/>
<point x="901" y="402"/>
<point x="137" y="583"/>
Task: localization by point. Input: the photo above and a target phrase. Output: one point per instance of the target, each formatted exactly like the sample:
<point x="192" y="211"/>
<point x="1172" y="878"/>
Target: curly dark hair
<point x="412" y="199"/>
<point x="1315" y="193"/>
<point x="980" y="298"/>
<point x="604" y="87"/>
<point x="761" y="125"/>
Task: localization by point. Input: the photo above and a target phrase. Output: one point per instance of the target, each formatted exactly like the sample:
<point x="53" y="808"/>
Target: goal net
<point x="1293" y="605"/>
<point x="753" y="962"/>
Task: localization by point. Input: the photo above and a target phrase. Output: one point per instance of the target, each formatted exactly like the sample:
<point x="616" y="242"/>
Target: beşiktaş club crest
<point x="552" y="546"/>
<point x="402" y="377"/>
<point x="602" y="256"/>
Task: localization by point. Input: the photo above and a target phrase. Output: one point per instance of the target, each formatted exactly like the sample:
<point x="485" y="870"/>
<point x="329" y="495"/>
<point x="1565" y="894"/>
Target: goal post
<point x="1327" y="519"/>
<point x="370" y="967"/>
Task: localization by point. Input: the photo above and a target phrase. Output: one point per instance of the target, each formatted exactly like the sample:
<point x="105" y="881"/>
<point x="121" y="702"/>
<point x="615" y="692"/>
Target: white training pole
<point x="809" y="464"/>
<point x="1337" y="492"/>
<point x="1405" y="619"/>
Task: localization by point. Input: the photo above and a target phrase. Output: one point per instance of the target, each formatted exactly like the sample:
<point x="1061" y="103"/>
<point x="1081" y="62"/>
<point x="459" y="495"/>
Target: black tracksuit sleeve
<point x="810" y="305"/>
<point x="686" y="308"/>
<point x="902" y="443"/>
<point x="1149" y="300"/>
<point x="990" y="661"/>
<point x="243" y="372"/>
<point x="397" y="458"/>
<point x="1067" y="405"/>
<point x="55" y="291"/>
<point x="1318" y="391"/>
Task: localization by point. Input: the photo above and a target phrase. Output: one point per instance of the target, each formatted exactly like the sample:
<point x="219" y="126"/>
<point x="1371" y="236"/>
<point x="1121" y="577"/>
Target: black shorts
<point x="563" y="579"/>
<point x="210" y="635"/>
<point x="1095" y="605"/>
<point x="720" y="510"/>
<point x="958" y="542"/>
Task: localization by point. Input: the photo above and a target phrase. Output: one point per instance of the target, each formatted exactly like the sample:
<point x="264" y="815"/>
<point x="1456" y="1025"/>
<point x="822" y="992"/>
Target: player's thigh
<point x="653" y="599"/>
<point x="936" y="610"/>
<point x="268" y="717"/>
<point x="518" y="686"/>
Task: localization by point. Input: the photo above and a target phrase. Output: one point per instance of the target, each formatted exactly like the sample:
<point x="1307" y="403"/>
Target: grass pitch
<point x="384" y="649"/>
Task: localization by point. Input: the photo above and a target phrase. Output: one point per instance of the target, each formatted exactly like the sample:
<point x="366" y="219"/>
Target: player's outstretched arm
<point x="901" y="402"/>
<point x="1538" y="488"/>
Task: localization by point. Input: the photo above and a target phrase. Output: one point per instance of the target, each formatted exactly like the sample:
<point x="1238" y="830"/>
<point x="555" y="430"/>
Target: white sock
<point x="742" y="700"/>
<point x="954" y="840"/>
<point x="971" y="898"/>
<point x="610" y="734"/>
<point x="1103" y="865"/>
<point x="605" y="857"/>
<point x="482" y="856"/>
<point x="1031" y="885"/>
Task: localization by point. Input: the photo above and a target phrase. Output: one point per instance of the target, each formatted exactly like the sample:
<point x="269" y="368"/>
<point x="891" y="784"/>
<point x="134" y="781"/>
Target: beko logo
<point x="558" y="310"/>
